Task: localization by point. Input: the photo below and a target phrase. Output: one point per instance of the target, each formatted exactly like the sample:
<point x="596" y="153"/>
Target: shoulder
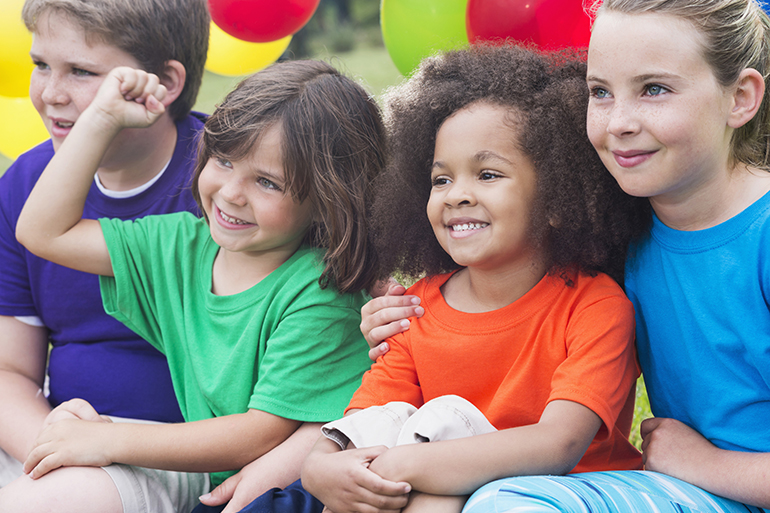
<point x="299" y="276"/>
<point x="429" y="284"/>
<point x="20" y="177"/>
<point x="588" y="291"/>
<point x="164" y="227"/>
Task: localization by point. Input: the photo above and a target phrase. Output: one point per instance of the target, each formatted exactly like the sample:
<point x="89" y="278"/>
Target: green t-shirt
<point x="284" y="346"/>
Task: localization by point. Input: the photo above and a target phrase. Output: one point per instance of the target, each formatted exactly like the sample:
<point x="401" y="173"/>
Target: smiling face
<point x="657" y="116"/>
<point x="247" y="204"/>
<point x="68" y="72"/>
<point x="483" y="190"/>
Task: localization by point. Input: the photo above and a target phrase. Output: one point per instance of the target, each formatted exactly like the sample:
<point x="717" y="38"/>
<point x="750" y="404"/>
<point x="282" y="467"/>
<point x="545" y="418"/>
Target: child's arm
<point x="277" y="469"/>
<point x="212" y="445"/>
<point x="458" y="467"/>
<point x="672" y="448"/>
<point x="50" y="224"/>
<point x="343" y="482"/>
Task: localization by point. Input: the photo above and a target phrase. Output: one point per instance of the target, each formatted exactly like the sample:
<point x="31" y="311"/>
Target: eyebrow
<point x="72" y="64"/>
<point x="647" y="77"/>
<point x="482" y="156"/>
<point x="278" y="179"/>
<point x="486" y="155"/>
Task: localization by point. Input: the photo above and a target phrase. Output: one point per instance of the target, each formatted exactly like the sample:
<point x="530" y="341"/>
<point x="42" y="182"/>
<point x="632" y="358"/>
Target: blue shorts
<point x="599" y="492"/>
<point x="292" y="499"/>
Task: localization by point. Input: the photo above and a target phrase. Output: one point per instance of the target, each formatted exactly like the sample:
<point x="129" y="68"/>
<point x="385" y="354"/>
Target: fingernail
<point x="415" y="300"/>
<point x="204" y="497"/>
<point x="405" y="323"/>
<point x="419" y="310"/>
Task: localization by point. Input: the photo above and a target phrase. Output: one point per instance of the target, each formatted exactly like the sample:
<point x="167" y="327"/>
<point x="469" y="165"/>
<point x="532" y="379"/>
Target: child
<point x="687" y="129"/>
<point x="93" y="356"/>
<point x="247" y="310"/>
<point x="519" y="319"/>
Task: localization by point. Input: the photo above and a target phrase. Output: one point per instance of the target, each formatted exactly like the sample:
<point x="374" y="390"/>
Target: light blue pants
<point x="599" y="492"/>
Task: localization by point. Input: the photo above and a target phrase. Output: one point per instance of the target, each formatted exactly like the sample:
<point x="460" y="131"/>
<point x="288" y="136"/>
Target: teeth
<point x="468" y="226"/>
<point x="64" y="125"/>
<point x="232" y="220"/>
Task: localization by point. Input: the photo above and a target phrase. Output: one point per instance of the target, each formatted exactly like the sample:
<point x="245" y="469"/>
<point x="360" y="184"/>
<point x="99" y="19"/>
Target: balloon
<point x="15" y="41"/>
<point x="261" y="21"/>
<point x="232" y="57"/>
<point x="22" y="127"/>
<point x="551" y="24"/>
<point x="414" y="29"/>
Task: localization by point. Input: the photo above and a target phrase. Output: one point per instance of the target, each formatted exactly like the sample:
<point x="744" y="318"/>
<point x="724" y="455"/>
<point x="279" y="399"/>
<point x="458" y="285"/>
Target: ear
<point x="173" y="77"/>
<point x="747" y="97"/>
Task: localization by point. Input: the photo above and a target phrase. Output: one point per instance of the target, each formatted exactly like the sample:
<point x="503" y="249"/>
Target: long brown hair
<point x="333" y="147"/>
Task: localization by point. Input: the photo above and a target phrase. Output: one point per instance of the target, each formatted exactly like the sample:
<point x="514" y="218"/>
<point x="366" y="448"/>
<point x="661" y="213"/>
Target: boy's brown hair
<point x="152" y="31"/>
<point x="580" y="217"/>
<point x="333" y="146"/>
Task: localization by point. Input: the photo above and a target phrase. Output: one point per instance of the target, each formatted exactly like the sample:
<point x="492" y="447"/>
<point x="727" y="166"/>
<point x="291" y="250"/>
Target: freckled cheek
<point x="36" y="88"/>
<point x="596" y="126"/>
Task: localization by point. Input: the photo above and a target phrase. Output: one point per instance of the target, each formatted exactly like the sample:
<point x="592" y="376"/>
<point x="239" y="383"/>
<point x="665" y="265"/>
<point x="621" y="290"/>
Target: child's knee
<point x="71" y="489"/>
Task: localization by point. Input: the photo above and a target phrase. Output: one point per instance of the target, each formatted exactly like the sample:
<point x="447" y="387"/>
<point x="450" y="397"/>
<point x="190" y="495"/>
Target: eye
<point x="654" y="89"/>
<point x="438" y="181"/>
<point x="223" y="162"/>
<point x="79" y="72"/>
<point x="486" y="176"/>
<point x="267" y="184"/>
<point x="599" y="93"/>
<point x="40" y="65"/>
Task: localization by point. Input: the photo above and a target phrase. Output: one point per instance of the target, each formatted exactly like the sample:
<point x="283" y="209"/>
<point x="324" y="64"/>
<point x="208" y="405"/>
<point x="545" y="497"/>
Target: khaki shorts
<point x="10" y="469"/>
<point x="398" y="423"/>
<point x="142" y="490"/>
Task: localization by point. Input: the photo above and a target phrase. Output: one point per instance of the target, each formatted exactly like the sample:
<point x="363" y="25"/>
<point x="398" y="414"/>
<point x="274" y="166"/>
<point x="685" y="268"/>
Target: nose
<point x="232" y="190"/>
<point x="54" y="91"/>
<point x="460" y="193"/>
<point x="623" y="119"/>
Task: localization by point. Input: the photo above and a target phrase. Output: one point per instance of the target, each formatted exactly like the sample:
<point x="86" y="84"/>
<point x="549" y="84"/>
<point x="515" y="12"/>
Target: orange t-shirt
<point x="556" y="342"/>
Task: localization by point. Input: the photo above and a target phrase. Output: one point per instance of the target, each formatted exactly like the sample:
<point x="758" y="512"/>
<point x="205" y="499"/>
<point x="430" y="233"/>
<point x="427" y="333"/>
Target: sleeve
<point x="393" y="377"/>
<point x="128" y="296"/>
<point x="15" y="289"/>
<point x="313" y="361"/>
<point x="601" y="365"/>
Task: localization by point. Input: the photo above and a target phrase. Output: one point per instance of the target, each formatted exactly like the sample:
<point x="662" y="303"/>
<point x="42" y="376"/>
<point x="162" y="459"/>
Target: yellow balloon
<point x="15" y="41"/>
<point x="232" y="57"/>
<point x="21" y="127"/>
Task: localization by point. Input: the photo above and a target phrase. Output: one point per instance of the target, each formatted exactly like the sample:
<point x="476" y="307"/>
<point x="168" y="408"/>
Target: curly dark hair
<point x="581" y="218"/>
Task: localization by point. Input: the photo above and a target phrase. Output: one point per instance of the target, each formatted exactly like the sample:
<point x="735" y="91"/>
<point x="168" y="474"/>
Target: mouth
<point x="230" y="220"/>
<point x="465" y="227"/>
<point x="632" y="158"/>
<point x="63" y="124"/>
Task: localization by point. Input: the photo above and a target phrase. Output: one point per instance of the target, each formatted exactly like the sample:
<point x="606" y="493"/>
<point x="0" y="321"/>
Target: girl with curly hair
<point x="494" y="191"/>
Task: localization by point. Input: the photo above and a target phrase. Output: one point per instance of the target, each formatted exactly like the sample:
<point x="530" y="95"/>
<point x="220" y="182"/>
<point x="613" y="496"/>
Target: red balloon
<point x="261" y="21"/>
<point x="550" y="24"/>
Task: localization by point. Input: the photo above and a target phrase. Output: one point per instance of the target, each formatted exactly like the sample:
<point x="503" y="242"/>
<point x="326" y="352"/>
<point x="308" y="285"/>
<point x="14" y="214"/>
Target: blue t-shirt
<point x="94" y="357"/>
<point x="703" y="326"/>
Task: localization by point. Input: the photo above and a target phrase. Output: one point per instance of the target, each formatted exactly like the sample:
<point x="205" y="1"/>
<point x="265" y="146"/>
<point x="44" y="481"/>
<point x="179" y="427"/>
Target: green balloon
<point x="414" y="29"/>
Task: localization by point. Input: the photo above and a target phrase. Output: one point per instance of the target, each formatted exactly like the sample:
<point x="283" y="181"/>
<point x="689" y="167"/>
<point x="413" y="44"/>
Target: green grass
<point x="641" y="412"/>
<point x="371" y="66"/>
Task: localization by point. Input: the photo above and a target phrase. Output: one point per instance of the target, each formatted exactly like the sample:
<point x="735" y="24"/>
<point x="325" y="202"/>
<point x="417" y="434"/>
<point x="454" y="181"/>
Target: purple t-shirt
<point x="94" y="357"/>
